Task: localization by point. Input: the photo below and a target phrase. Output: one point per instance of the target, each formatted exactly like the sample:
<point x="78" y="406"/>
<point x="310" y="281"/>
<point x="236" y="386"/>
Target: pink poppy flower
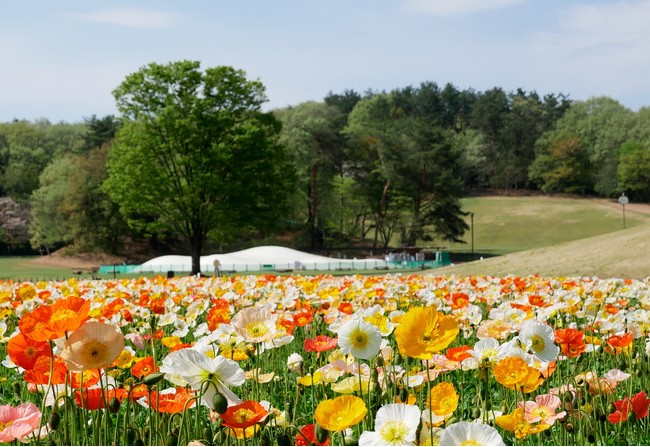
<point x="543" y="409"/>
<point x="18" y="422"/>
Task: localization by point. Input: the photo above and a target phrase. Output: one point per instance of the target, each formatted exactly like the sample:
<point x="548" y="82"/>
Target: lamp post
<point x="623" y="200"/>
<point x="471" y="217"/>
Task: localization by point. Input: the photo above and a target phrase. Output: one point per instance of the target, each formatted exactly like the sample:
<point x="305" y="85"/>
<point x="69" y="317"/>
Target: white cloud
<point x="446" y="8"/>
<point x="131" y="17"/>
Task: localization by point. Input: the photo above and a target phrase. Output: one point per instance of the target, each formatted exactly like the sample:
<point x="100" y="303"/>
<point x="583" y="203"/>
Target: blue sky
<point x="60" y="60"/>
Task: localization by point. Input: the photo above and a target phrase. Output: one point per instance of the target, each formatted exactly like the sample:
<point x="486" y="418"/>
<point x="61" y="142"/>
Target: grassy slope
<point x="510" y="224"/>
<point x="623" y="253"/>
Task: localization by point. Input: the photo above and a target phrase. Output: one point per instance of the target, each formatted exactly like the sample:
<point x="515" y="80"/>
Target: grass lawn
<point x="502" y="225"/>
<point x="20" y="268"/>
<point x="511" y="224"/>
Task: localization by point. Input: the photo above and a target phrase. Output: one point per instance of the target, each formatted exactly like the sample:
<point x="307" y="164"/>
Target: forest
<point x="388" y="167"/>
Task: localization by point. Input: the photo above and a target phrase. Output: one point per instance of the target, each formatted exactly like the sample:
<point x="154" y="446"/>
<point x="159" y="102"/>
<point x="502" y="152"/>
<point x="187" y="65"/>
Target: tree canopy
<point x="197" y="154"/>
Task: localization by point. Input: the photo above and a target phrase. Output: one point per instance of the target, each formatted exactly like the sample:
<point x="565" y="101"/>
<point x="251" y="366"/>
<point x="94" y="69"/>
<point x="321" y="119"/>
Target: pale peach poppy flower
<point x="94" y="345"/>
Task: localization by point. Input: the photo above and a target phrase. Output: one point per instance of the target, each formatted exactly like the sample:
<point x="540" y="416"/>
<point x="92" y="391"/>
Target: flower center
<point x="243" y="415"/>
<point x="359" y="339"/>
<point x="469" y="442"/>
<point x="257" y="329"/>
<point x="537" y="343"/>
<point x="394" y="432"/>
<point x="63" y="314"/>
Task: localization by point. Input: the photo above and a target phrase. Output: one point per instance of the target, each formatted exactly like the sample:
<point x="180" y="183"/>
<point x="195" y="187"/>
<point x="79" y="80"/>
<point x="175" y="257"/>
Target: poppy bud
<point x="321" y="434"/>
<point x="622" y="365"/>
<point x="379" y="362"/>
<point x="220" y="403"/>
<point x="476" y="413"/>
<point x="131" y="435"/>
<point x="54" y="420"/>
<point x="283" y="439"/>
<point x="207" y="433"/>
<point x="17" y="388"/>
<point x="172" y="439"/>
<point x="114" y="405"/>
<point x="591" y="438"/>
<point x="153" y="378"/>
<point x="403" y="395"/>
<point x="569" y="427"/>
<point x="352" y="440"/>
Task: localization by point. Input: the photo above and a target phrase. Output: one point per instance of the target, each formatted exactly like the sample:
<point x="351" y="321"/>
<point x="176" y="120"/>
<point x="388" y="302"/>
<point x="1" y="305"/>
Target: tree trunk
<point x="196" y="241"/>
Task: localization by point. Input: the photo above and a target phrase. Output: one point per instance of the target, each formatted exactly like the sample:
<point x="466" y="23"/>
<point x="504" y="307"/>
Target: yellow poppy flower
<point x="423" y="331"/>
<point x="340" y="413"/>
<point x="516" y="423"/>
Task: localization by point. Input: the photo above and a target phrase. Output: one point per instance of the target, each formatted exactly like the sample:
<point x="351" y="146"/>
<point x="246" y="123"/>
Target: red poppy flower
<point x="244" y="415"/>
<point x="24" y="351"/>
<point x="50" y="322"/>
<point x="637" y="404"/>
<point x="320" y="343"/>
<point x="96" y="398"/>
<point x="640" y="405"/>
<point x="144" y="367"/>
<point x="307" y="436"/>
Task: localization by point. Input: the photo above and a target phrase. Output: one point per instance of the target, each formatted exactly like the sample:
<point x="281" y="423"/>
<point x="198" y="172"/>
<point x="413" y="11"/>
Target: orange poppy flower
<point x="244" y="415"/>
<point x="24" y="351"/>
<point x="459" y="300"/>
<point x="459" y="353"/>
<point x="571" y="341"/>
<point x="144" y="367"/>
<point x="219" y="313"/>
<point x="442" y="399"/>
<point x="620" y="343"/>
<point x="303" y="318"/>
<point x="112" y="308"/>
<point x="537" y="301"/>
<point x="50" y="322"/>
<point x="423" y="331"/>
<point x="84" y="379"/>
<point x="171" y="403"/>
<point x="346" y="308"/>
<point x="320" y="343"/>
<point x="515" y="374"/>
<point x="40" y="373"/>
<point x="288" y="325"/>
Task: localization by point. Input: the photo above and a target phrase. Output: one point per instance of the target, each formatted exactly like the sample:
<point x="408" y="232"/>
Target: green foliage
<point x="634" y="171"/>
<point x="196" y="154"/>
<point x="562" y="167"/>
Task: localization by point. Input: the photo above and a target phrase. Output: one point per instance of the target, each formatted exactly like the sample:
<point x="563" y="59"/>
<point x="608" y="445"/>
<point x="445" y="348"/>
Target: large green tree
<point x="196" y="154"/>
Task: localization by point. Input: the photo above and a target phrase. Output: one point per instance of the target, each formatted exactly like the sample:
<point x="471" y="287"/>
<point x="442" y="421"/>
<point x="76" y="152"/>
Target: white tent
<point x="270" y="257"/>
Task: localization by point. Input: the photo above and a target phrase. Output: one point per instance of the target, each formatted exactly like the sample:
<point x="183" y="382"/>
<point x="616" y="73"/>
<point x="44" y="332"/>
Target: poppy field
<point x="326" y="360"/>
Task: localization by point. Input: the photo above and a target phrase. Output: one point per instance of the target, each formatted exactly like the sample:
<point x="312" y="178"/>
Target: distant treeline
<point x="387" y="166"/>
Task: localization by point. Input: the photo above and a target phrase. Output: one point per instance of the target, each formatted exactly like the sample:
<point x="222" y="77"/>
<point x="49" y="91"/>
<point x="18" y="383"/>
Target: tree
<point x="197" y="155"/>
<point x="562" y="166"/>
<point x="634" y="171"/>
<point x="311" y="133"/>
